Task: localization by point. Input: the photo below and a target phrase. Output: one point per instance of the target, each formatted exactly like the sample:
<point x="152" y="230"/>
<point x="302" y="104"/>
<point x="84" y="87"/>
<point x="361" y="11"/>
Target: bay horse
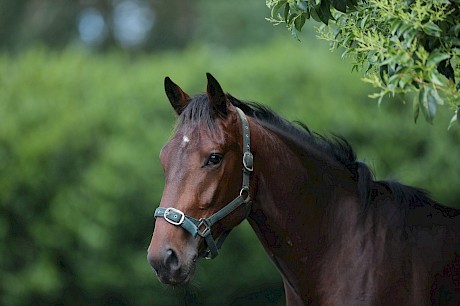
<point x="336" y="235"/>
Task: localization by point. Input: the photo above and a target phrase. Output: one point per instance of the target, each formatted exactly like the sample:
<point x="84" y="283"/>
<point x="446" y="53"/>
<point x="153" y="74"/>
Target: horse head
<point x="202" y="163"/>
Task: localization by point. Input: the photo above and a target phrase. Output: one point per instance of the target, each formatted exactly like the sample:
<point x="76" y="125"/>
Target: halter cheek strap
<point x="202" y="227"/>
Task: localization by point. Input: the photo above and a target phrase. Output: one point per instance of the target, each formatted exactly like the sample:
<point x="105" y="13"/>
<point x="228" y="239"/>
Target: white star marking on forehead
<point x="185" y="139"/>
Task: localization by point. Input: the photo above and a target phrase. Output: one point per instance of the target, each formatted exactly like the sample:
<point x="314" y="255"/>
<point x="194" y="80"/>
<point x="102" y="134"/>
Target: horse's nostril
<point x="152" y="262"/>
<point x="171" y="260"/>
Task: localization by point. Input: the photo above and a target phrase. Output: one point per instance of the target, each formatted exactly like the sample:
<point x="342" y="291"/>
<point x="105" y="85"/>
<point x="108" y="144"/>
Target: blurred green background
<point x="83" y="116"/>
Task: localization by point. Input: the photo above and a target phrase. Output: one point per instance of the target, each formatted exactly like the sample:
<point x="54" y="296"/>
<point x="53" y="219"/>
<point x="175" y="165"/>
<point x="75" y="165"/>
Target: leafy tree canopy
<point x="409" y="47"/>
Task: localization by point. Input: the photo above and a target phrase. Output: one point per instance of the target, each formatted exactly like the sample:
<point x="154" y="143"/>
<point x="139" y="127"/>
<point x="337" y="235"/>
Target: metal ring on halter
<point x="245" y="189"/>
<point x="207" y="229"/>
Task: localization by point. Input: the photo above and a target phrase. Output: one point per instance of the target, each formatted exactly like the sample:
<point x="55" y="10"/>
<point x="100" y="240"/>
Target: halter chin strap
<point x="202" y="227"/>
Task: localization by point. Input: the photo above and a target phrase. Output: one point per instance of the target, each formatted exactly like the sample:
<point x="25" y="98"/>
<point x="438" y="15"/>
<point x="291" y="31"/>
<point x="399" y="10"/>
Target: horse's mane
<point x="337" y="147"/>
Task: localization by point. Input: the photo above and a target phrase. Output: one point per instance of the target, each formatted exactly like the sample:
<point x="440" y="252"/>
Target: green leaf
<point x="286" y="12"/>
<point x="344" y="54"/>
<point x="324" y="11"/>
<point x="373" y="57"/>
<point x="294" y="33"/>
<point x="394" y="25"/>
<point x="277" y="6"/>
<point x="337" y="33"/>
<point x="455" y="119"/>
<point x="393" y="80"/>
<point x="436" y="57"/>
<point x="428" y="110"/>
<point x="383" y="73"/>
<point x="455" y="30"/>
<point x="403" y="28"/>
<point x="314" y="15"/>
<point x="435" y="79"/>
<point x="409" y="35"/>
<point x="431" y="109"/>
<point x="348" y="40"/>
<point x="404" y="79"/>
<point x="433" y="96"/>
<point x="340" y="5"/>
<point x="432" y="29"/>
<point x="429" y="102"/>
<point x="379" y="102"/>
<point x="299" y="22"/>
<point x="363" y="22"/>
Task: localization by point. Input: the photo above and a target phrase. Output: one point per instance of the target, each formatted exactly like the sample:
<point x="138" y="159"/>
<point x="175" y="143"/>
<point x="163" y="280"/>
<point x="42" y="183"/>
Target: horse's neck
<point x="292" y="210"/>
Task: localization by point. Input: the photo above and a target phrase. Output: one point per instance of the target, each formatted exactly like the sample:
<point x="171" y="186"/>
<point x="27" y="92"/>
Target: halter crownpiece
<point x="202" y="227"/>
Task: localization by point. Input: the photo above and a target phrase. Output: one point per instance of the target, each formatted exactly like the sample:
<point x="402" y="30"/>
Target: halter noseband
<point x="202" y="227"/>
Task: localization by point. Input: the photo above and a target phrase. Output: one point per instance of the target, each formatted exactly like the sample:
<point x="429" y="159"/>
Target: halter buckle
<point x="248" y="161"/>
<point x="174" y="216"/>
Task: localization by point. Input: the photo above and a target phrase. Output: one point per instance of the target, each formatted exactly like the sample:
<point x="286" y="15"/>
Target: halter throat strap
<point x="202" y="227"/>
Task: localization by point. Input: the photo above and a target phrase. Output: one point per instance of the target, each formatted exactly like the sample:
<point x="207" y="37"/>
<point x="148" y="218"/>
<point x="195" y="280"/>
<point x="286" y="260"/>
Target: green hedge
<point x="80" y="176"/>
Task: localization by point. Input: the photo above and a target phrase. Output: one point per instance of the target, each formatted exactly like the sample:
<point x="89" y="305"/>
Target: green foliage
<point x="295" y="12"/>
<point x="80" y="175"/>
<point x="404" y="47"/>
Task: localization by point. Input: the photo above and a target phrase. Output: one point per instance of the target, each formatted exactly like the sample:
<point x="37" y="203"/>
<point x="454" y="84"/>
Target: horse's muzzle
<point x="169" y="268"/>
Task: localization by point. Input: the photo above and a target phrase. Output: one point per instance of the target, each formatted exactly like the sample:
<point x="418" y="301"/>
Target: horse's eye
<point x="214" y="159"/>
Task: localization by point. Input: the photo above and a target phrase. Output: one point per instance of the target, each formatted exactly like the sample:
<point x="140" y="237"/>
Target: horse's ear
<point x="216" y="96"/>
<point x="176" y="96"/>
